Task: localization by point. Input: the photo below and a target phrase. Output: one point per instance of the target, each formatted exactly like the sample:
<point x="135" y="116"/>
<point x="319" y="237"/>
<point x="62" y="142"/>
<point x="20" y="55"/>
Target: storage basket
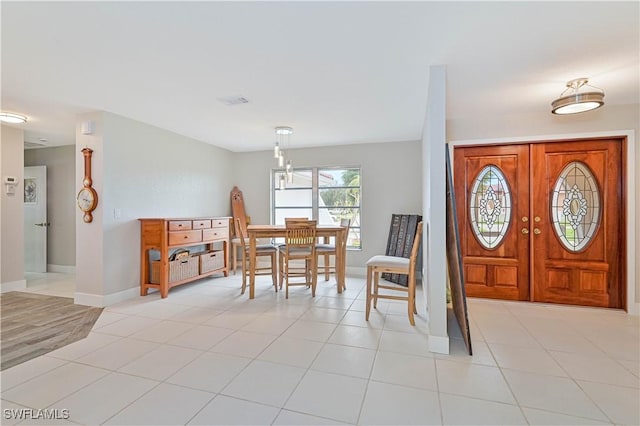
<point x="179" y="270"/>
<point x="211" y="260"/>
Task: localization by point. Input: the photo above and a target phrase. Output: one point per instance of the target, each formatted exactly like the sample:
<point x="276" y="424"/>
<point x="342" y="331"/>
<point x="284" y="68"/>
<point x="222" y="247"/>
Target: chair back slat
<point x="300" y="233"/>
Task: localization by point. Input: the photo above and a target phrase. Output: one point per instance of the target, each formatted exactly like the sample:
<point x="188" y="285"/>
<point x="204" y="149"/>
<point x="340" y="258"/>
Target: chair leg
<point x="235" y="249"/>
<point x="314" y="276"/>
<point x="274" y="271"/>
<point x="326" y="267"/>
<point x="286" y="277"/>
<point x="244" y="273"/>
<point x="411" y="301"/>
<point x="281" y="269"/>
<point x="369" y="272"/>
<point x="376" y="277"/>
<point x="344" y="284"/>
<point x="307" y="272"/>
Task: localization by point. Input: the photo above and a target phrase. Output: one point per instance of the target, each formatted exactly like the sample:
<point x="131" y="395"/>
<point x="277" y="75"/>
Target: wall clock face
<point x="87" y="199"/>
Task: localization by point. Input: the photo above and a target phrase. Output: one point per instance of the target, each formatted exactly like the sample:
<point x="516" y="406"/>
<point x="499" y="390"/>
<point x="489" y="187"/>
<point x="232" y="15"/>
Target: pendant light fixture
<point x="283" y="138"/>
<point x="579" y="99"/>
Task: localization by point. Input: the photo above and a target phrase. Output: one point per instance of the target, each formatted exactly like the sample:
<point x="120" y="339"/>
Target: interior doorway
<point x="544" y="221"/>
<point x="35" y="219"/>
<point x="56" y="275"/>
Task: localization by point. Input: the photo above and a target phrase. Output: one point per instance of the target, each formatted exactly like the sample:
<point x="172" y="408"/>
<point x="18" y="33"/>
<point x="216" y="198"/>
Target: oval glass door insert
<point x="575" y="206"/>
<point x="490" y="207"/>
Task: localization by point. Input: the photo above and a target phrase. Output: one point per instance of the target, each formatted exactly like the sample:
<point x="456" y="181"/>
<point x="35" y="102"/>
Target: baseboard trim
<point x="63" y="269"/>
<point x="13" y="286"/>
<point x="355" y="271"/>
<point x="100" y="301"/>
<point x="439" y="344"/>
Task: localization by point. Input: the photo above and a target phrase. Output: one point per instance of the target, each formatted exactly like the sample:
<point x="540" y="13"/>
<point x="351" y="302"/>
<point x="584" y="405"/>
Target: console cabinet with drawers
<point x="168" y="234"/>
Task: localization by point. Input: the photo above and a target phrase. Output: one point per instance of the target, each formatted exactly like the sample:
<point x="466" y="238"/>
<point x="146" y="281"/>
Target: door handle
<point x="536" y="231"/>
<point x="525" y="231"/>
<point x="45" y="224"/>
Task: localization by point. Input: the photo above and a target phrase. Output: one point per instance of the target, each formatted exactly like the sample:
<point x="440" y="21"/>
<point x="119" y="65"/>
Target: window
<point x="325" y="194"/>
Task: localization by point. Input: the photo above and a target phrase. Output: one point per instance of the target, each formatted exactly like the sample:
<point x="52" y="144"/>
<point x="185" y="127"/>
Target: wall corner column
<point x="434" y="208"/>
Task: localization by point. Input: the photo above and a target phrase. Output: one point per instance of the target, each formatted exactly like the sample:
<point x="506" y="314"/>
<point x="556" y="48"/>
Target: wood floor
<point x="32" y="325"/>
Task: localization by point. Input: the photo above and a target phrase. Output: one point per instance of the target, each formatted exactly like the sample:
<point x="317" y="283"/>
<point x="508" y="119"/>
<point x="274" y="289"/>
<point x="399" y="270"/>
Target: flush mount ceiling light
<point x="10" y="117"/>
<point x="579" y="99"/>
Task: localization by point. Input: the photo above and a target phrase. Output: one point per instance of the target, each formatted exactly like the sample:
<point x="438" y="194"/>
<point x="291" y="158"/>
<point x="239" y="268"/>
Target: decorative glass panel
<point x="575" y="206"/>
<point x="490" y="207"/>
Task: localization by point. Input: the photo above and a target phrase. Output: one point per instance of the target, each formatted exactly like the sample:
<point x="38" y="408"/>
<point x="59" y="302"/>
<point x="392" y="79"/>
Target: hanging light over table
<point x="283" y="138"/>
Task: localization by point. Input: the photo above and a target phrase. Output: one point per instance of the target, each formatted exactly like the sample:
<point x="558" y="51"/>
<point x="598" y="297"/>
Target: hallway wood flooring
<point x="32" y="325"/>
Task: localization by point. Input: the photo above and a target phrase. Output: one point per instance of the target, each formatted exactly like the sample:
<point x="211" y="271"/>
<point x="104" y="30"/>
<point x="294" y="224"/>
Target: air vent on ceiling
<point x="234" y="100"/>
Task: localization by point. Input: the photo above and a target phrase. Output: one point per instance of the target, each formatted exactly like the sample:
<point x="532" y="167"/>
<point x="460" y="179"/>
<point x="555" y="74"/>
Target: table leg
<point x="341" y="259"/>
<point x="252" y="262"/>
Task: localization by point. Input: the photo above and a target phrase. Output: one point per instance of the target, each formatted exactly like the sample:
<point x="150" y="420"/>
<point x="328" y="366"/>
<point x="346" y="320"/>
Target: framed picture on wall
<point x="30" y="190"/>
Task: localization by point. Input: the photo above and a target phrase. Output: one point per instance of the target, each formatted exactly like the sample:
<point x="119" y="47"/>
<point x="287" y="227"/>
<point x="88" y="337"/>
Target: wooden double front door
<point x="543" y="221"/>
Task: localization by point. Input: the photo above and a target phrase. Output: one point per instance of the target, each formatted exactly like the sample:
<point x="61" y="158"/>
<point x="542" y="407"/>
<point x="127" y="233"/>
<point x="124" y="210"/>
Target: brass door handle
<point x="45" y="224"/>
<point x="525" y="231"/>
<point x="537" y="231"/>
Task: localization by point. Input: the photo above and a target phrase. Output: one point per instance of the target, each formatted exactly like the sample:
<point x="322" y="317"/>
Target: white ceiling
<point x="336" y="72"/>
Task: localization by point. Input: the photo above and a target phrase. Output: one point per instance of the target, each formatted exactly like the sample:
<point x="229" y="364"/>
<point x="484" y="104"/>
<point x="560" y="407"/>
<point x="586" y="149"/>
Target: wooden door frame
<point x="628" y="177"/>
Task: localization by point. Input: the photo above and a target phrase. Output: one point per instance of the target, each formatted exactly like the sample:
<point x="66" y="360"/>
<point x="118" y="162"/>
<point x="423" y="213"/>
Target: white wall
<point x="608" y="119"/>
<point x="12" y="210"/>
<point x="391" y="183"/>
<point x="140" y="171"/>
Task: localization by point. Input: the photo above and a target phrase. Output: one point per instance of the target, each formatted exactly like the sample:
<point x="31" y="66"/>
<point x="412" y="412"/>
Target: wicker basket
<point x="211" y="260"/>
<point x="179" y="270"/>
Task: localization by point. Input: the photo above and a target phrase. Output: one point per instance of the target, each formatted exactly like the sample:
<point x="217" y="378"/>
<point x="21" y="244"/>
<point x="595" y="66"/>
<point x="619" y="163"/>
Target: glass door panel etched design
<point x="490" y="207"/>
<point x="575" y="206"/>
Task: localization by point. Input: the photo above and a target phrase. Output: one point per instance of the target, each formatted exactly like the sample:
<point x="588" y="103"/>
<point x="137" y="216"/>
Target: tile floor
<point x="206" y="355"/>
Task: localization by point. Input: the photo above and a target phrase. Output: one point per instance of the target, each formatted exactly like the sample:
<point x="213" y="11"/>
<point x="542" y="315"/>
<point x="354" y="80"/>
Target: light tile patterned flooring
<point x="206" y="355"/>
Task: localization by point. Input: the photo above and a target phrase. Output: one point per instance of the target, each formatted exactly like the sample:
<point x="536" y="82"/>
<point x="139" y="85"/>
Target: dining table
<point x="339" y="233"/>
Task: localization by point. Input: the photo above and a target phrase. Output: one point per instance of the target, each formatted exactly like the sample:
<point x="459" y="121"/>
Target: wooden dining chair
<point x="395" y="265"/>
<point x="326" y="250"/>
<point x="236" y="245"/>
<point x="299" y="246"/>
<point x="262" y="250"/>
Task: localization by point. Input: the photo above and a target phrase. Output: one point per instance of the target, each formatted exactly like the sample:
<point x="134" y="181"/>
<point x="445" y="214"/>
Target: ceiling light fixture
<point x="283" y="138"/>
<point x="578" y="101"/>
<point x="10" y="117"/>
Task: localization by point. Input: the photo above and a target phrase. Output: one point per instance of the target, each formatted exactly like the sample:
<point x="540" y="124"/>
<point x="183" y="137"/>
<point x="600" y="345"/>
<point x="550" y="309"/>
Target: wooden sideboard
<point x="167" y="234"/>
